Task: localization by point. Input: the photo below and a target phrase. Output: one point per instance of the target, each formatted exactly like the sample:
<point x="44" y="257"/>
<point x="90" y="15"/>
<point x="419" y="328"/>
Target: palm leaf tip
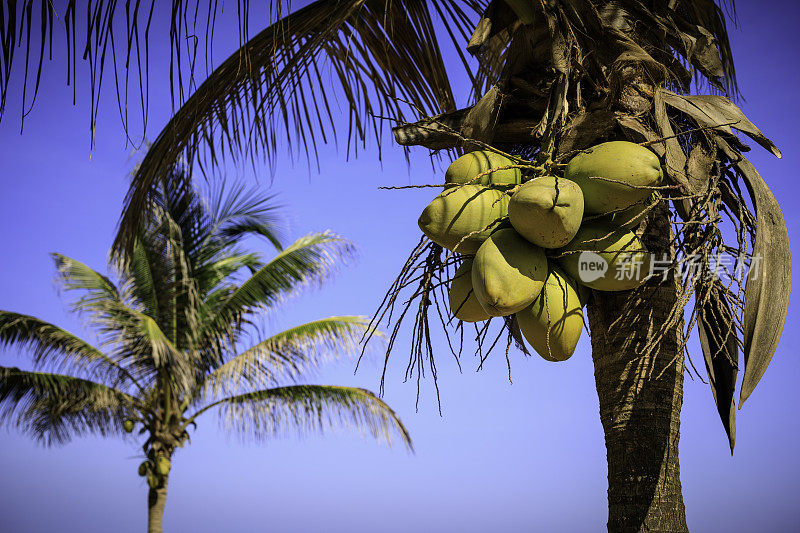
<point x="243" y="211"/>
<point x="54" y="347"/>
<point x="312" y="408"/>
<point x="53" y="407"/>
<point x="720" y="349"/>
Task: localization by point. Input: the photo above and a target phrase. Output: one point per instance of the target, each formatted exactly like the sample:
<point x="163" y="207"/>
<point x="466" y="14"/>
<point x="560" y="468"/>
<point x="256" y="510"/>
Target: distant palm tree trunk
<point x="640" y="413"/>
<point x="156" y="498"/>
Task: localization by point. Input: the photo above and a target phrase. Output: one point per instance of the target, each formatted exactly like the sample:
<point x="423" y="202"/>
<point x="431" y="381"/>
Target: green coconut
<point x="163" y="465"/>
<point x="144" y="468"/>
<point x="547" y="211"/>
<point x="508" y="273"/>
<point x="466" y="168"/>
<point x="461" y="218"/>
<point x="128" y="425"/>
<point x="605" y="257"/>
<point x="152" y="480"/>
<point x="557" y="312"/>
<point x="626" y="169"/>
<point x="463" y="303"/>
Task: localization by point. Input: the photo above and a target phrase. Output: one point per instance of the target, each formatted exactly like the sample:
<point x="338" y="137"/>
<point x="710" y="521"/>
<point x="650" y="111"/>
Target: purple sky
<point x="522" y="457"/>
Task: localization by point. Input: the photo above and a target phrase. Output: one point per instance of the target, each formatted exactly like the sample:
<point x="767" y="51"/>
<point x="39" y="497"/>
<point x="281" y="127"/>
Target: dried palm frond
<point x="376" y="55"/>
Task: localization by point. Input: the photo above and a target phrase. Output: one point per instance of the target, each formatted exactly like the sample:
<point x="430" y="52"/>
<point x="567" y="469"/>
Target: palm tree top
<point x="170" y="324"/>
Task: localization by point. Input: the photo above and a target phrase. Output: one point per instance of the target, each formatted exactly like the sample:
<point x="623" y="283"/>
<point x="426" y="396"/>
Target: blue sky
<point x="521" y="457"/>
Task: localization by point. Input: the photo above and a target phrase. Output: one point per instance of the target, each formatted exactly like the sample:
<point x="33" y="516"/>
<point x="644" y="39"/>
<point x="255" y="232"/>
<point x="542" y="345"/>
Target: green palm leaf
<point x="162" y="350"/>
<point x="309" y="260"/>
<point x="100" y="298"/>
<point x="74" y="275"/>
<point x="58" y="348"/>
<point x="144" y="278"/>
<point x="53" y="407"/>
<point x="288" y="354"/>
<point x="309" y="408"/>
<point x="134" y="337"/>
<point x="243" y="212"/>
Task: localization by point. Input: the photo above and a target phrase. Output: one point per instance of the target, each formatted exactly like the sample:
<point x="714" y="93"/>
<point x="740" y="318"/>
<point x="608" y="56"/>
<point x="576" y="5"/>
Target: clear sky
<point x="522" y="457"/>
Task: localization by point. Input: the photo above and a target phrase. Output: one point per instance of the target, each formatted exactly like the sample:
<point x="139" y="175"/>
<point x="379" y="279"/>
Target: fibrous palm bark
<point x="156" y="501"/>
<point x="640" y="398"/>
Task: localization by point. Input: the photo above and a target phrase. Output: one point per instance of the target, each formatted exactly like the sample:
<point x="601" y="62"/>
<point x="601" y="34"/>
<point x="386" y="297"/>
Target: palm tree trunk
<point x="156" y="498"/>
<point x="640" y="400"/>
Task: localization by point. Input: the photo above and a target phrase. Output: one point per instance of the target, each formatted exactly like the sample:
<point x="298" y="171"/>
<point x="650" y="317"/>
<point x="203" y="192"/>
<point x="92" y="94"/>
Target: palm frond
<point x="309" y="260"/>
<point x="136" y="338"/>
<point x="76" y="276"/>
<point x="59" y="349"/>
<point x="54" y="407"/>
<point x="309" y="408"/>
<point x="181" y="221"/>
<point x="144" y="279"/>
<point x="113" y="314"/>
<point x="110" y="36"/>
<point x="242" y="211"/>
<point x="170" y="254"/>
<point x="163" y="352"/>
<point x="288" y="355"/>
<point x="194" y="239"/>
<point x="220" y="273"/>
<point x="379" y="54"/>
<point x="117" y="42"/>
<point x="99" y="297"/>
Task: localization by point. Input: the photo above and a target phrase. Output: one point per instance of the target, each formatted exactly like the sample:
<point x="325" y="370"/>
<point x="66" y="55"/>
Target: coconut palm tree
<point x="552" y="78"/>
<point x="178" y="338"/>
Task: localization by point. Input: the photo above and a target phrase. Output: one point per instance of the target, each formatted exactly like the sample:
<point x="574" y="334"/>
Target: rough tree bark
<point x="156" y="499"/>
<point x="640" y="399"/>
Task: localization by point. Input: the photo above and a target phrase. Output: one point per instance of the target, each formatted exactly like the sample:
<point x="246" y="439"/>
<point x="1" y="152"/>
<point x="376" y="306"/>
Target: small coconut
<point x="462" y="217"/>
<point x="605" y="257"/>
<point x="163" y="465"/>
<point x="468" y="167"/>
<point x="614" y="175"/>
<point x="128" y="425"/>
<point x="463" y="303"/>
<point x="556" y="315"/>
<point x="508" y="273"/>
<point x="153" y="481"/>
<point x="547" y="211"/>
<point x="144" y="468"/>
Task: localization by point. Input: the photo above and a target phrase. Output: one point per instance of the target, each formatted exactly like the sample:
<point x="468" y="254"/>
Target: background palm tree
<point x="170" y="332"/>
<point x="552" y="78"/>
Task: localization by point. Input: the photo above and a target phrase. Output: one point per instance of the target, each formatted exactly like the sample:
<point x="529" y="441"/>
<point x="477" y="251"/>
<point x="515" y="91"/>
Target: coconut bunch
<point x="155" y="468"/>
<point x="533" y="247"/>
